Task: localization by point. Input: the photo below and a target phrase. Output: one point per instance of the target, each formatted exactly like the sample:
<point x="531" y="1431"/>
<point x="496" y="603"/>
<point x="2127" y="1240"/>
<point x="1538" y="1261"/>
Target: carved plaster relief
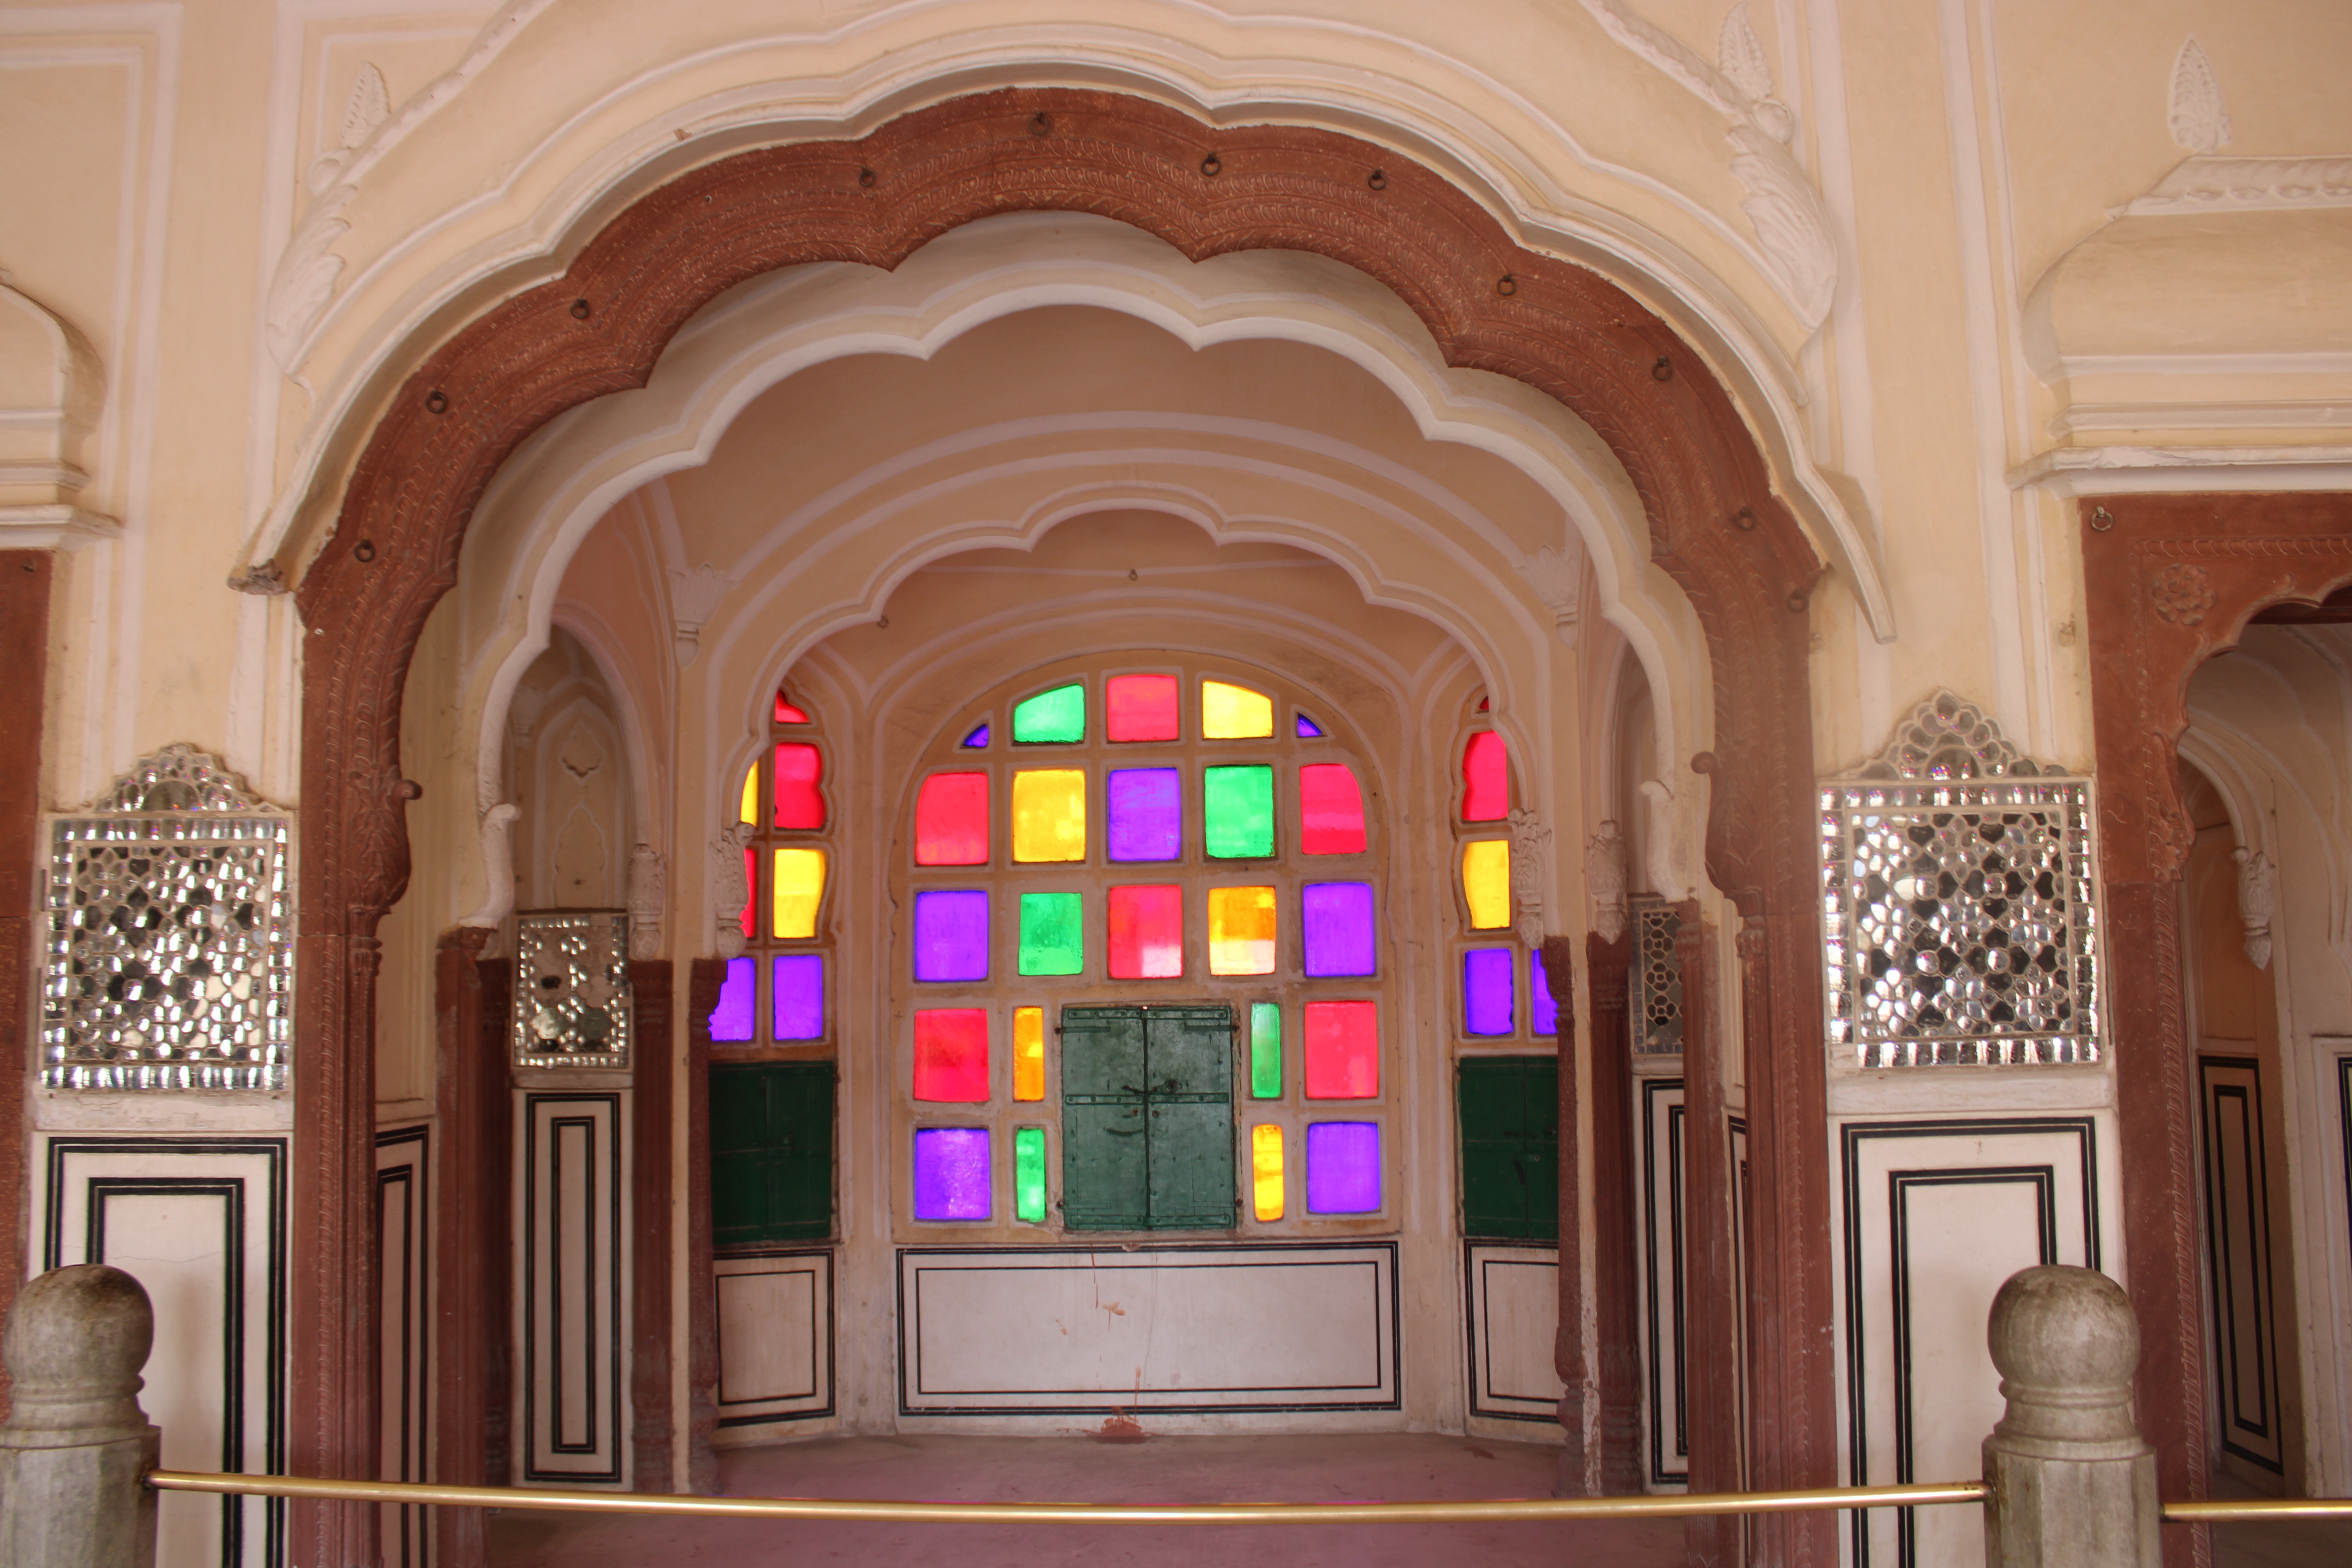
<point x="1604" y="880"/>
<point x="2206" y="182"/>
<point x="52" y="390"/>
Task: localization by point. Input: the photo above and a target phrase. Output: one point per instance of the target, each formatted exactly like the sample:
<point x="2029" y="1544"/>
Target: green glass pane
<point x="1053" y="940"/>
<point x="1029" y="1173"/>
<point x="1265" y="1051"/>
<point x="1237" y="812"/>
<point x="1058" y="716"/>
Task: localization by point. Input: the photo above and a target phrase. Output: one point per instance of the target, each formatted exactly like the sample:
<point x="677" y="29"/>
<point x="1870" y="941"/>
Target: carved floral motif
<point x="2182" y="592"/>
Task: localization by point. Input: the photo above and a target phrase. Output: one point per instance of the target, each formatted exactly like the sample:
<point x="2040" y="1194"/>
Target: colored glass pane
<point x="1028" y="1053"/>
<point x="1265" y="1051"/>
<point x="952" y="934"/>
<point x="1486" y="883"/>
<point x="736" y="1016"/>
<point x="977" y="740"/>
<point x="1147" y="814"/>
<point x="789" y="712"/>
<point x="1049" y="815"/>
<point x="1308" y="729"/>
<point x="750" y="886"/>
<point x="1543" y="1013"/>
<point x="1343" y="1167"/>
<point x="1052" y="935"/>
<point x="1237" y="812"/>
<point x="1029" y="1174"/>
<point x="1147" y="933"/>
<point x="1330" y="810"/>
<point x="1266" y="1170"/>
<point x="1485" y="779"/>
<point x="1055" y="717"/>
<point x="799" y="889"/>
<point x="1482" y="705"/>
<point x="1241" y="931"/>
<point x="1234" y="712"/>
<point x="799" y="802"/>
<point x="951" y="820"/>
<point x="799" y="992"/>
<point x="951" y="1054"/>
<point x="1334" y="923"/>
<point x="1139" y="707"/>
<point x="951" y="1173"/>
<point x="749" y="811"/>
<point x="1343" y="1050"/>
<point x="1487" y="1001"/>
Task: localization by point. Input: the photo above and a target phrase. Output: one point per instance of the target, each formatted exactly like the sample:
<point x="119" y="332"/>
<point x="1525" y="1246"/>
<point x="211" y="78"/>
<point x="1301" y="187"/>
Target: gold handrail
<point x="2215" y="1510"/>
<point x="1668" y="1507"/>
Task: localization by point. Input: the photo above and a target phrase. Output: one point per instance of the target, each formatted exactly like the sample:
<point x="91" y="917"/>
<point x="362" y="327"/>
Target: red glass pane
<point x="750" y="881"/>
<point x="1343" y="1050"/>
<point x="1485" y="779"/>
<point x="799" y="802"/>
<point x="951" y="820"/>
<point x="1147" y="933"/>
<point x="1142" y="708"/>
<point x="951" y="1054"/>
<point x="787" y="712"/>
<point x="1330" y="810"/>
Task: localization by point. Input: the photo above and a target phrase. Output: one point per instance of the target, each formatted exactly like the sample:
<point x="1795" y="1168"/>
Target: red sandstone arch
<point x="1491" y="305"/>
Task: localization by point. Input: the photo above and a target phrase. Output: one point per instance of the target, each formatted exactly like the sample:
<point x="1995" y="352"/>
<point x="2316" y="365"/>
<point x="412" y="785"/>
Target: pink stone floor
<point x="1078" y="1469"/>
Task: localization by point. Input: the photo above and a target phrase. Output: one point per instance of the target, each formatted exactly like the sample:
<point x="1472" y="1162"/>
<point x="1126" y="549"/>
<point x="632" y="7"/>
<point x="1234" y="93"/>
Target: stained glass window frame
<point x="755" y="781"/>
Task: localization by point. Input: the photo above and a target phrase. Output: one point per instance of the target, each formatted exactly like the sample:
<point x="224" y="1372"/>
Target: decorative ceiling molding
<point x="58" y="527"/>
<point x="2195" y="110"/>
<point x="2113" y="471"/>
<point x="2247" y="413"/>
<point x="2210" y="184"/>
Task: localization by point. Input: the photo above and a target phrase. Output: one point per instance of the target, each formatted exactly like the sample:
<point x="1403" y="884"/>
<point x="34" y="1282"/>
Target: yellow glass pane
<point x="1028" y="1053"/>
<point x="1266" y="1170"/>
<point x="1241" y="931"/>
<point x="750" y="811"/>
<point x="1234" y="712"/>
<point x="800" y="888"/>
<point x="1049" y="815"/>
<point x="1486" y="883"/>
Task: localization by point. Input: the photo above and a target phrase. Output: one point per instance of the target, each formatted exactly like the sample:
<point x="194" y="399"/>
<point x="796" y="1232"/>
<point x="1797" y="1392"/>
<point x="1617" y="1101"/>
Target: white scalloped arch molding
<point x="379" y="267"/>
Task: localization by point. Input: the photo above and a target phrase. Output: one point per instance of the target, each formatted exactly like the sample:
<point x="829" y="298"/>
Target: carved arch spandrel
<point x="1735" y="549"/>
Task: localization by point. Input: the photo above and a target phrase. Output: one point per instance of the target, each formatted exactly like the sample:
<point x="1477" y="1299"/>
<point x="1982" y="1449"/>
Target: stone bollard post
<point x="2072" y="1483"/>
<point x="76" y="1448"/>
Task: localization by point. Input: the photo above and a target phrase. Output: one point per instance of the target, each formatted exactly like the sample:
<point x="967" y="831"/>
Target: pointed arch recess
<point x="1733" y="547"/>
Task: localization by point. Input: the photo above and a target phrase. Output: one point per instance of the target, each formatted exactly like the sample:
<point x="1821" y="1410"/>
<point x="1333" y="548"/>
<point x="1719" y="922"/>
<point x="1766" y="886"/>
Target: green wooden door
<point x="1509" y="1109"/>
<point x="1148" y="1118"/>
<point x="771" y="1153"/>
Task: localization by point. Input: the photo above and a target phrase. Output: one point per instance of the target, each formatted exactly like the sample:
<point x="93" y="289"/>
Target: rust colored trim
<point x="650" y="1354"/>
<point x="1711" y="1285"/>
<point x="1577" y="1475"/>
<point x="485" y="388"/>
<point x="1615" y="1242"/>
<point x="703" y="983"/>
<point x="26" y="576"/>
<point x="2168" y="582"/>
<point x="468" y="1101"/>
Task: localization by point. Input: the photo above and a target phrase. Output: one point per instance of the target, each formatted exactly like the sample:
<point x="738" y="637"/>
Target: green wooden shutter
<point x="1509" y="1109"/>
<point x="1191" y="1092"/>
<point x="771" y="1153"/>
<point x="1103" y="1140"/>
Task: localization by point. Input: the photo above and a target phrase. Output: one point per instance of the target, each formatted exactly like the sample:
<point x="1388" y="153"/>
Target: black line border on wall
<point x="1652" y="1089"/>
<point x="832" y="1336"/>
<point x="531" y="1102"/>
<point x="413" y="1539"/>
<point x="1475" y="1323"/>
<point x="2227" y="1391"/>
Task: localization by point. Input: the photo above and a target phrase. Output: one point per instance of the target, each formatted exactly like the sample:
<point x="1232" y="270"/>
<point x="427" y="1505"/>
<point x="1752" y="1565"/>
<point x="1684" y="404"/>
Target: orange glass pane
<point x="1241" y="931"/>
<point x="1028" y="1053"/>
<point x="1266" y="1170"/>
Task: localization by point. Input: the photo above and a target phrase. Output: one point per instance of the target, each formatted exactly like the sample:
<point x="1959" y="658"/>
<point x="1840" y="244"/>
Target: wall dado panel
<point x="572" y="1172"/>
<point x="775" y="1340"/>
<point x="1665" y="1444"/>
<point x="1513" y="1299"/>
<point x="402" y="1166"/>
<point x="1938" y="1214"/>
<point x="1208" y="1330"/>
<point x="201" y="1223"/>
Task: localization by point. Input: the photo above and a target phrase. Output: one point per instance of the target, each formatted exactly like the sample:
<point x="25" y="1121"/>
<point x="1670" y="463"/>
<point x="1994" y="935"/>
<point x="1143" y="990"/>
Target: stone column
<point x="75" y="1448"/>
<point x="2072" y="1482"/>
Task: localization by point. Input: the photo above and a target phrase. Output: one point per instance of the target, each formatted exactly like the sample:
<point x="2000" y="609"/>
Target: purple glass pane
<point x="978" y="740"/>
<point x="1343" y="1167"/>
<point x="1147" y="814"/>
<point x="1545" y="1010"/>
<point x="1487" y="991"/>
<point x="1308" y="729"/>
<point x="800" y="996"/>
<point x="951" y="1173"/>
<point x="951" y="935"/>
<point x="1336" y="919"/>
<point x="736" y="1016"/>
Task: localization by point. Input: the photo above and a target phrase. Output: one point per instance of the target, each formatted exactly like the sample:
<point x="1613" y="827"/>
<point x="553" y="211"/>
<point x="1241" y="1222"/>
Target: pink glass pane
<point x="1545" y="1012"/>
<point x="951" y="1054"/>
<point x="750" y="881"/>
<point x="799" y="995"/>
<point x="951" y="1173"/>
<point x="1335" y="921"/>
<point x="1147" y="814"/>
<point x="1343" y="1167"/>
<point x="1330" y="810"/>
<point x="1343" y="1050"/>
<point x="1485" y="779"/>
<point x="952" y="934"/>
<point x="1486" y="991"/>
<point x="788" y="714"/>
<point x="735" y="1016"/>
<point x="1142" y="708"/>
<point x="951" y="820"/>
<point x="1147" y="933"/>
<point x="799" y="802"/>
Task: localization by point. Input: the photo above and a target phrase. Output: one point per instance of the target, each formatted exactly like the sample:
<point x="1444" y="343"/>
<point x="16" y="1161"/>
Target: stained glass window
<point x="1049" y="815"/>
<point x="1057" y="717"/>
<point x="952" y="934"/>
<point x="1485" y="779"/>
<point x="1486" y="882"/>
<point x="1052" y="933"/>
<point x="750" y="809"/>
<point x="800" y="804"/>
<point x="1237" y="812"/>
<point x="951" y="1054"/>
<point x="1029" y="1174"/>
<point x="1028" y="1053"/>
<point x="1230" y="712"/>
<point x="1147" y="933"/>
<point x="1336" y="928"/>
<point x="1330" y="810"/>
<point x="976" y="738"/>
<point x="951" y="820"/>
<point x="1266" y="1172"/>
<point x="1146" y="806"/>
<point x="799" y="991"/>
<point x="1487" y="984"/>
<point x="1544" y="1012"/>
<point x="799" y="890"/>
<point x="736" y="1017"/>
<point x="1308" y="729"/>
<point x="789" y="712"/>
<point x="1265" y="1051"/>
<point x="749" y="919"/>
<point x="1343" y="1050"/>
<point x="1343" y="1167"/>
<point x="1241" y="931"/>
<point x="1139" y="707"/>
<point x="951" y="1170"/>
